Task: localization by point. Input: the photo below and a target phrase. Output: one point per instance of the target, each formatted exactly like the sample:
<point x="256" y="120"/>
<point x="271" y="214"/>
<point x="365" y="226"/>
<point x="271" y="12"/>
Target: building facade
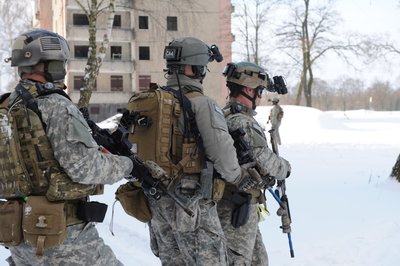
<point x="141" y="30"/>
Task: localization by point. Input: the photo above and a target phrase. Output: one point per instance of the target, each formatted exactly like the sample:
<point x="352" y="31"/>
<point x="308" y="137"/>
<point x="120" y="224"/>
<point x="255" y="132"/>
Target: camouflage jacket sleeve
<point x="268" y="163"/>
<point x="217" y="142"/>
<point x="73" y="145"/>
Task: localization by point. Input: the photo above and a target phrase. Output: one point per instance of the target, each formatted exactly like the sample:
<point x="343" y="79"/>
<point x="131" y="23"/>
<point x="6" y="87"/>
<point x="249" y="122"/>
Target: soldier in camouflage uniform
<point x="177" y="238"/>
<point x="275" y="117"/>
<point x="40" y="56"/>
<point x="246" y="82"/>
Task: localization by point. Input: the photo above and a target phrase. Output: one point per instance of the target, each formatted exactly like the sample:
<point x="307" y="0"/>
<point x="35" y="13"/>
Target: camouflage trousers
<point x="83" y="246"/>
<point x="178" y="239"/>
<point x="244" y="244"/>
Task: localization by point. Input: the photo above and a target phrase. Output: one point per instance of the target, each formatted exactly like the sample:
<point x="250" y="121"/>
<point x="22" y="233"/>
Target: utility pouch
<point x="190" y="158"/>
<point x="10" y="223"/>
<point x="206" y="180"/>
<point x="240" y="214"/>
<point x="43" y="223"/>
<point x="134" y="201"/>
<point x="61" y="187"/>
<point x="218" y="189"/>
<point x="91" y="211"/>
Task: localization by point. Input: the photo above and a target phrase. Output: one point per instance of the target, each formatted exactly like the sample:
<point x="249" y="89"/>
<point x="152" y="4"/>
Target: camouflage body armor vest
<point x="27" y="163"/>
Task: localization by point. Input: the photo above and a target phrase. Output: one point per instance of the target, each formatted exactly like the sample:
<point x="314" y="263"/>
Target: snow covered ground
<point x="345" y="209"/>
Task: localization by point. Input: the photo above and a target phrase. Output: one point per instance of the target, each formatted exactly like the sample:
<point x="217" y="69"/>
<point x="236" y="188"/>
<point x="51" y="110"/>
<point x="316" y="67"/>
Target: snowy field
<point x="345" y="209"/>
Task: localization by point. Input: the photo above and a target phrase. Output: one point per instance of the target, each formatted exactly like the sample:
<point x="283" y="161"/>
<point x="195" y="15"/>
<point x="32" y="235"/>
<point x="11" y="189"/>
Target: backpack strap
<point x="191" y="129"/>
<point x="28" y="99"/>
<point x="4" y="96"/>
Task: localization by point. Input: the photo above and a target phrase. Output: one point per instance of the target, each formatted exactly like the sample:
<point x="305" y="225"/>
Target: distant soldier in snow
<point x="275" y="117"/>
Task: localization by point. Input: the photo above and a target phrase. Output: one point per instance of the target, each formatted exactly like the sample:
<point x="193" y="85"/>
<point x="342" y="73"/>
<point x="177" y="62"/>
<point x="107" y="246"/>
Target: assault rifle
<point x="118" y="143"/>
<point x="244" y="156"/>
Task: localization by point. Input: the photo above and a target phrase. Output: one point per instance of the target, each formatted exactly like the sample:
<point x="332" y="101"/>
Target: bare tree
<point x="95" y="57"/>
<point x="308" y="36"/>
<point x="15" y="18"/>
<point x="252" y="24"/>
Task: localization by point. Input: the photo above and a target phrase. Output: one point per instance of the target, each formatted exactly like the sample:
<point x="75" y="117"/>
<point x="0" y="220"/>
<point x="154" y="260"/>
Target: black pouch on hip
<point x="91" y="211"/>
<point x="240" y="214"/>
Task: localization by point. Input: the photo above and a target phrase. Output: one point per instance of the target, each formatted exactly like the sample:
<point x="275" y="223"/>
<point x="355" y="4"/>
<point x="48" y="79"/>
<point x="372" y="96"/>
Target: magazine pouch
<point x="10" y="223"/>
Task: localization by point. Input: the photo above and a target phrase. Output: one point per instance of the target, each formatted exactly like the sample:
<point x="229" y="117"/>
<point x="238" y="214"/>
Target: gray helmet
<point x="35" y="46"/>
<point x="190" y="51"/>
<point x="246" y="74"/>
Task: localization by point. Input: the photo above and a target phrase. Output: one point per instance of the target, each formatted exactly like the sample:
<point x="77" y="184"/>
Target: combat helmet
<point x="190" y="51"/>
<point x="36" y="46"/>
<point x="275" y="100"/>
<point x="246" y="74"/>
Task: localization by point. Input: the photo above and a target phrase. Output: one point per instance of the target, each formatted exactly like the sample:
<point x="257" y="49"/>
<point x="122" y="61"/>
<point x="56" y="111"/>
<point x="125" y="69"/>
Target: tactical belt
<point x="256" y="195"/>
<point x="82" y="211"/>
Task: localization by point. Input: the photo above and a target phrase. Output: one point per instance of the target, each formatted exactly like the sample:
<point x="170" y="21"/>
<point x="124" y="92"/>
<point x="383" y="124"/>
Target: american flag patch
<point x="50" y="43"/>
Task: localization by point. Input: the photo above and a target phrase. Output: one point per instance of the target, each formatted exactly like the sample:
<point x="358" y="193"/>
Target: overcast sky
<point x="369" y="17"/>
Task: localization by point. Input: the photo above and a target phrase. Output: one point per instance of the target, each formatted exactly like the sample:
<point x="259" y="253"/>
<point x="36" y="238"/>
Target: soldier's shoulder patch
<point x="258" y="128"/>
<point x="218" y="109"/>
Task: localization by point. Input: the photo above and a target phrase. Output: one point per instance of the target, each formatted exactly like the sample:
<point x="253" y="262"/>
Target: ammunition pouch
<point x="218" y="189"/>
<point x="240" y="214"/>
<point x="44" y="223"/>
<point x="91" y="211"/>
<point x="61" y="187"/>
<point x="134" y="201"/>
<point x="10" y="223"/>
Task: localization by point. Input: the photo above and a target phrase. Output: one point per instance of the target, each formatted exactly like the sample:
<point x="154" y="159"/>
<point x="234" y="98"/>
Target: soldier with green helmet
<point x="238" y="211"/>
<point x="59" y="164"/>
<point x="176" y="237"/>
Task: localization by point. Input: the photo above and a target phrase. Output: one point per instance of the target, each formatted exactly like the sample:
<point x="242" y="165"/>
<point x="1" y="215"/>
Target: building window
<point x="81" y="51"/>
<point x="80" y="20"/>
<point x="172" y="23"/>
<point x="117" y="83"/>
<point x="144" y="53"/>
<point x="144" y="82"/>
<point x="94" y="109"/>
<point x="116" y="52"/>
<point x="78" y="83"/>
<point x="117" y="21"/>
<point x="143" y="22"/>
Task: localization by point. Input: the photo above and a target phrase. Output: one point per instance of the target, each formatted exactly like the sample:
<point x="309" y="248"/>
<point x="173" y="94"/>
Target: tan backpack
<point x="155" y="135"/>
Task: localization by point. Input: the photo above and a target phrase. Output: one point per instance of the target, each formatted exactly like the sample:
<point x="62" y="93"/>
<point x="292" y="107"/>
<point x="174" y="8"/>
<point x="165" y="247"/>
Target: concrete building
<point x="141" y="30"/>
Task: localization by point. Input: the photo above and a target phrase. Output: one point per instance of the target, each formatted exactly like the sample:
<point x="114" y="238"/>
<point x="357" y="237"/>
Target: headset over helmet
<point x="190" y="51"/>
<point x="36" y="46"/>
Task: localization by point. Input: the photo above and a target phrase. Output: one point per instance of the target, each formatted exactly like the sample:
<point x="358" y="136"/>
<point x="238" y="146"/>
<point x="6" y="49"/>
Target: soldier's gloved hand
<point x="249" y="177"/>
<point x="270" y="181"/>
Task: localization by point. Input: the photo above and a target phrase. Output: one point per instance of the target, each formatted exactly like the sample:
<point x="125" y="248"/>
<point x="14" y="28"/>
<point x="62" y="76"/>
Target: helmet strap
<point x="252" y="99"/>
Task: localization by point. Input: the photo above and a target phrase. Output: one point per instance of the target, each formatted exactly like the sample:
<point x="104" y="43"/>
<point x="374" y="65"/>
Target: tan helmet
<point x="246" y="74"/>
<point x="275" y="100"/>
